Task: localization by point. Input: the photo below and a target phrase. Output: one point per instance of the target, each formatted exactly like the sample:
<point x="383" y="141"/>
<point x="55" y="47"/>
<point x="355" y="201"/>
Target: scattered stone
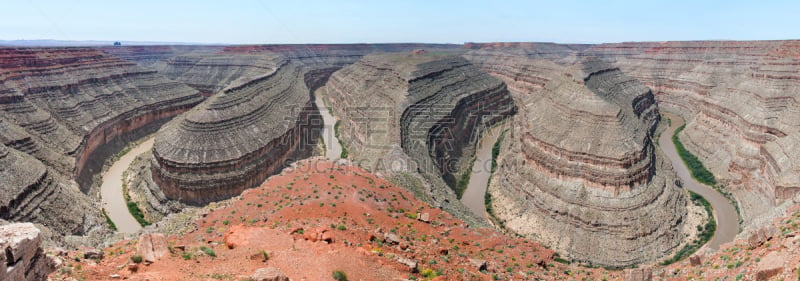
<point x="696" y="260"/>
<point x="133" y="267"/>
<point x="318" y="234"/>
<point x="93" y="254"/>
<point x="115" y="276"/>
<point x="409" y="263"/>
<point x="479" y="265"/>
<point x="269" y="274"/>
<point x="391" y="238"/>
<point x="424" y="217"/>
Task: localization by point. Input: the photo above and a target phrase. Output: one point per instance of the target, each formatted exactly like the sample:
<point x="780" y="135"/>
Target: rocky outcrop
<point x="416" y="113"/>
<point x="740" y="101"/>
<point x="23" y="257"/>
<point x="237" y="138"/>
<point x="578" y="170"/>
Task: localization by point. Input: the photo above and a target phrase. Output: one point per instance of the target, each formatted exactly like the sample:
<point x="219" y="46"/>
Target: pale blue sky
<point x="311" y="21"/>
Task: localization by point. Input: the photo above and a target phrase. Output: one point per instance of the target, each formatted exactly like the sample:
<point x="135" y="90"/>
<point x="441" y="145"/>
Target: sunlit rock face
<point x="740" y="102"/>
<point x="579" y="171"/>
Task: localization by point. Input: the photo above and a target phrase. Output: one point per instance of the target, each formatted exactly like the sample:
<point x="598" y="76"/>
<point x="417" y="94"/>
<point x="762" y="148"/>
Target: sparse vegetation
<point x="208" y="251"/>
<point x="136" y="258"/>
<point x="337" y="134"/>
<point x="133" y="208"/>
<point x="109" y="221"/>
<point x="463" y="181"/>
<point x="339" y="275"/>
<point x="705" y="235"/>
<point x="699" y="172"/>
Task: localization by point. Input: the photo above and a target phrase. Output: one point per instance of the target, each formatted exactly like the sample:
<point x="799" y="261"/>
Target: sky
<point x="430" y="21"/>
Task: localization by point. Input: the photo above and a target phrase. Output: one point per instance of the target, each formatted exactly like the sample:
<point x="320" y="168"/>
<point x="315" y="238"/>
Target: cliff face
<point x="579" y="171"/>
<point x="64" y="107"/>
<point x="740" y="101"/>
<point x="237" y="138"/>
<point x="416" y="113"/>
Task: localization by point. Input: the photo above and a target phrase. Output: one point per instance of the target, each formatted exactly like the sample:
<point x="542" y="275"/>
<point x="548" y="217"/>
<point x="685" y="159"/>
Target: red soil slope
<point x="319" y="200"/>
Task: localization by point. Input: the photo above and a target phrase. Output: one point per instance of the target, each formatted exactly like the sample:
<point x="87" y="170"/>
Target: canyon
<point x="578" y="169"/>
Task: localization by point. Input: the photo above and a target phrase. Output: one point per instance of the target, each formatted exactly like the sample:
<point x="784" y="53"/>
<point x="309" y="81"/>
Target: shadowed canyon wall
<point x="417" y="113"/>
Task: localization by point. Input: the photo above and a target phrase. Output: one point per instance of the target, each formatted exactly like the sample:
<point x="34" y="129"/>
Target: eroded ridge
<point x="416" y="113"/>
<point x="237" y="138"/>
<point x="579" y="170"/>
<point x="740" y="102"/>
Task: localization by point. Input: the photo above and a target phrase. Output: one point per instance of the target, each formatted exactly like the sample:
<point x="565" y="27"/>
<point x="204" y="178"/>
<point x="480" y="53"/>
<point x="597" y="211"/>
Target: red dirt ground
<point x="349" y="204"/>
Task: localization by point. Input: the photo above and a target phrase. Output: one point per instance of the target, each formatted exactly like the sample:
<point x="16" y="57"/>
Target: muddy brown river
<point x="724" y="212"/>
<point x="111" y="190"/>
<point x="473" y="196"/>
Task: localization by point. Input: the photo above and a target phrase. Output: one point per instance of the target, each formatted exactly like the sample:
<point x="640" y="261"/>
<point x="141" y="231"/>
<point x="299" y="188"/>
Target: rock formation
<point x="262" y="119"/>
<point x="23" y="257"/>
<point x="237" y="138"/>
<point x="69" y="108"/>
<point x="416" y="113"/>
<point x="578" y="170"/>
<point x="740" y="101"/>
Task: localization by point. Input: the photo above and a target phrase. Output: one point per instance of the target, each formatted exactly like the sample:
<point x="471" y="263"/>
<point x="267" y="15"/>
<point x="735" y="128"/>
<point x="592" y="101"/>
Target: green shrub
<point x="339" y="275"/>
<point x="699" y="172"/>
<point x="210" y="252"/>
<point x="136" y="259"/>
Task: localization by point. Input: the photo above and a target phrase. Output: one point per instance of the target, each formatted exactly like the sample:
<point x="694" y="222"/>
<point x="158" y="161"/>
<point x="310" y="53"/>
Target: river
<point x="724" y="212"/>
<point x="333" y="149"/>
<point x="111" y="190"/>
<point x="473" y="196"/>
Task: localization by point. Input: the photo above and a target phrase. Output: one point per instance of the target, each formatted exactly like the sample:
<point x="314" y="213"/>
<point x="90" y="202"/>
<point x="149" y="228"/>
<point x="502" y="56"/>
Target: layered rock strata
<point x="23" y="257"/>
<point x="416" y="113"/>
<point x="740" y="101"/>
<point x="579" y="171"/>
<point x="211" y="73"/>
<point x="62" y="112"/>
<point x="238" y="137"/>
<point x="33" y="193"/>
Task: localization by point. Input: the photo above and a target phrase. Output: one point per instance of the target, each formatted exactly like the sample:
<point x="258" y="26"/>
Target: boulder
<point x="269" y="274"/>
<point x="391" y="238"/>
<point x="479" y="265"/>
<point x="770" y="266"/>
<point x="23" y="257"/>
<point x="152" y="246"/>
<point x="318" y="234"/>
<point x="93" y="254"/>
<point x="424" y="217"/>
<point x="696" y="260"/>
<point x="639" y="274"/>
<point x="410" y="264"/>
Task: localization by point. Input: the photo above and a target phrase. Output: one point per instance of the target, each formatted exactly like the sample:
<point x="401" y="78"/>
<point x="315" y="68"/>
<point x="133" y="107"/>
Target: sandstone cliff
<point x="404" y="113"/>
<point x="740" y="101"/>
<point x="579" y="171"/>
